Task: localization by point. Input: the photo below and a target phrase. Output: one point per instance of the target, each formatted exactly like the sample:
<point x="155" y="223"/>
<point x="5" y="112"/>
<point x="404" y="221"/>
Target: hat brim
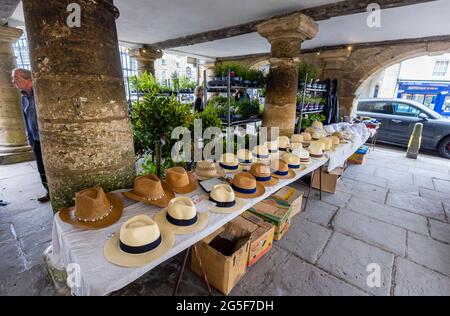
<point x="202" y="221"/>
<point x="115" y="255"/>
<point x="67" y="215"/>
<point x="191" y="187"/>
<point x="260" y="190"/>
<point x="291" y="174"/>
<point x="163" y="202"/>
<point x="228" y="210"/>
<point x="219" y="173"/>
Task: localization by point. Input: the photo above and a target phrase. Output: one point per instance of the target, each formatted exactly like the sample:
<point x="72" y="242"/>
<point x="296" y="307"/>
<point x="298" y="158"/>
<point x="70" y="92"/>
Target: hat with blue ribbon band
<point x="245" y="186"/>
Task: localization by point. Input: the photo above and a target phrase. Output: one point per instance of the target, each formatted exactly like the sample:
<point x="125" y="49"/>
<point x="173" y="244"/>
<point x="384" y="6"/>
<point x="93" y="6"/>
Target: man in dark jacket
<point x="21" y="78"/>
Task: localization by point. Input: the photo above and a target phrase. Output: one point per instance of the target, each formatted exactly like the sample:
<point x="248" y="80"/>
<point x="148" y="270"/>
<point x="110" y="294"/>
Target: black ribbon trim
<point x="140" y="249"/>
<point x="181" y="222"/>
<point x="223" y="204"/>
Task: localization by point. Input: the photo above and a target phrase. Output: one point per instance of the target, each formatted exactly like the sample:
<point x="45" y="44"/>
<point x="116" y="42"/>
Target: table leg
<point x="205" y="277"/>
<point x="320" y="182"/>
<point x="180" y="275"/>
<point x="309" y="191"/>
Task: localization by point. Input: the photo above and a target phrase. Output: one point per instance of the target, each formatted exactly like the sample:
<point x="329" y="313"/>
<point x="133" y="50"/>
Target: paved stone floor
<point x="392" y="211"/>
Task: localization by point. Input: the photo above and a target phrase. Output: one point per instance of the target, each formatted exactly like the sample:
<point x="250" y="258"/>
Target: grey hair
<point x="197" y="90"/>
<point x="24" y="73"/>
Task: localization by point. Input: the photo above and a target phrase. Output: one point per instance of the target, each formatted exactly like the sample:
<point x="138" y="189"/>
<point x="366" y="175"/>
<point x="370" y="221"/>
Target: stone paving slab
<point x="33" y="246"/>
<point x="363" y="190"/>
<point x="372" y="231"/>
<point x="423" y="181"/>
<point x="32" y="221"/>
<point x="390" y="215"/>
<point x="442" y="186"/>
<point x="338" y="200"/>
<point x="299" y="278"/>
<point x="319" y="212"/>
<point x="374" y="180"/>
<point x="12" y="261"/>
<point x="440" y="231"/>
<point x="414" y="280"/>
<point x="429" y="253"/>
<point x="34" y="282"/>
<point x="437" y="174"/>
<point x="306" y="240"/>
<point x="7" y="232"/>
<point x="348" y="259"/>
<point x="394" y="176"/>
<point x="417" y="204"/>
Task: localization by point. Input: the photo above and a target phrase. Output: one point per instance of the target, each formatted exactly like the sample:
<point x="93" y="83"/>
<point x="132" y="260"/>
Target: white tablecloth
<point x="85" y="248"/>
<point x="342" y="153"/>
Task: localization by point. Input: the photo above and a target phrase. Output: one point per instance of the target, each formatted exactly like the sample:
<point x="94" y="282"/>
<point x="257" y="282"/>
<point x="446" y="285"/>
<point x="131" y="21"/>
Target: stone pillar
<point x="146" y="59"/>
<point x="82" y="110"/>
<point x="209" y="67"/>
<point x="334" y="65"/>
<point x="13" y="143"/>
<point x="285" y="35"/>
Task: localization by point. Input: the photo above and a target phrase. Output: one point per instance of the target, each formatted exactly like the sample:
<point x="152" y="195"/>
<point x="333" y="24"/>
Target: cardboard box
<point x="357" y="159"/>
<point x="329" y="179"/>
<point x="293" y="197"/>
<point x="262" y="235"/>
<point x="276" y="212"/>
<point x="224" y="256"/>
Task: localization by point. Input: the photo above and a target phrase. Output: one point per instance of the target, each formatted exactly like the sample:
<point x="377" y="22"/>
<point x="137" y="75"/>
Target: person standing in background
<point x="199" y="94"/>
<point x="23" y="81"/>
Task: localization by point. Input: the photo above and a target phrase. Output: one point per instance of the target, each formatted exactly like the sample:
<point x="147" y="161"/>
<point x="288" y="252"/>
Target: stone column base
<point x="12" y="155"/>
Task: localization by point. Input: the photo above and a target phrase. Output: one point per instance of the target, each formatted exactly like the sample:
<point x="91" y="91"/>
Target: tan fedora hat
<point x="261" y="154"/>
<point x="293" y="162"/>
<point x="296" y="138"/>
<point x="284" y="143"/>
<point x="225" y="199"/>
<point x="245" y="186"/>
<point x="280" y="170"/>
<point x="296" y="146"/>
<point x="182" y="217"/>
<point x="272" y="146"/>
<point x="181" y="181"/>
<point x="230" y="163"/>
<point x="316" y="150"/>
<point x="94" y="209"/>
<point x="150" y="190"/>
<point x="207" y="169"/>
<point x="262" y="174"/>
<point x="139" y="241"/>
<point x="245" y="156"/>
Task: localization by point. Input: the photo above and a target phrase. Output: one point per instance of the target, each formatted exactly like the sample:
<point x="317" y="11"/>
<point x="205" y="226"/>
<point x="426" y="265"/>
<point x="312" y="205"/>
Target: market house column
<point x="146" y="59"/>
<point x="82" y="110"/>
<point x="285" y="36"/>
<point x="13" y="143"/>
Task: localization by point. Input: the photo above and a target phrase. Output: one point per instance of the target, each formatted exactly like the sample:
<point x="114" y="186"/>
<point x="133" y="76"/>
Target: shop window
<point x="446" y="105"/>
<point x="440" y="68"/>
<point x="404" y="109"/>
<point x="430" y="101"/>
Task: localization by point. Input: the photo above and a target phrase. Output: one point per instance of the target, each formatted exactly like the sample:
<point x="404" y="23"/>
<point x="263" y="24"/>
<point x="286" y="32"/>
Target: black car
<point x="398" y="118"/>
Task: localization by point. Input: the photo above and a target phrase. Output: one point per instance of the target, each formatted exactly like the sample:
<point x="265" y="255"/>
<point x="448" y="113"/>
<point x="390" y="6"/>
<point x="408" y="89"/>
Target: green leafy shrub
<point x="248" y="107"/>
<point x="307" y="69"/>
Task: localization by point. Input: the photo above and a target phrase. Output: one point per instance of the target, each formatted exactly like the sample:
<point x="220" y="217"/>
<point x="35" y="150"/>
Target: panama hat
<point x="150" y="190"/>
<point x="245" y="156"/>
<point x="230" y="163"/>
<point x="207" y="169"/>
<point x="94" y="209"/>
<point x="273" y="148"/>
<point x="283" y="143"/>
<point x="182" y="216"/>
<point x="296" y="138"/>
<point x="306" y="138"/>
<point x="181" y="181"/>
<point x="296" y="146"/>
<point x="303" y="154"/>
<point x="316" y="150"/>
<point x="293" y="162"/>
<point x="317" y="124"/>
<point x="246" y="186"/>
<point x="225" y="199"/>
<point x="262" y="174"/>
<point x="280" y="170"/>
<point x="139" y="241"/>
<point x="261" y="154"/>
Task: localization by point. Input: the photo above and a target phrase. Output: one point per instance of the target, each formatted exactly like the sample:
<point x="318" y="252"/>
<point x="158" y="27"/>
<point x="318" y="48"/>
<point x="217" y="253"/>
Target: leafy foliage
<point x="307" y="121"/>
<point x="307" y="69"/>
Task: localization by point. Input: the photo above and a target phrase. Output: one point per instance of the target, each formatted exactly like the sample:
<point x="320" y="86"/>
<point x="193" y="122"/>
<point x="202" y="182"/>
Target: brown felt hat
<point x="246" y="186"/>
<point x="94" y="209"/>
<point x="262" y="174"/>
<point x="181" y="181"/>
<point x="150" y="190"/>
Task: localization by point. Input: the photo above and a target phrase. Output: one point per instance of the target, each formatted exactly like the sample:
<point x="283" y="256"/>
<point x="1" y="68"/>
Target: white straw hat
<point x="225" y="199"/>
<point x="139" y="241"/>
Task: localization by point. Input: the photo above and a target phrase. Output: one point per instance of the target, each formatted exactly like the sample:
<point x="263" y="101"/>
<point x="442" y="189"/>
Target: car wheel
<point x="444" y="147"/>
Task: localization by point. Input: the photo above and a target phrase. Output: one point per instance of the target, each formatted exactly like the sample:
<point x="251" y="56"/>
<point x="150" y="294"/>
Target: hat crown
<point x="296" y="146"/>
<point x="273" y="145"/>
<point x="283" y="141"/>
<point x="306" y="136"/>
<point x="291" y="159"/>
<point x="244" y="181"/>
<point x="259" y="169"/>
<point x="148" y="186"/>
<point x="300" y="152"/>
<point x="182" y="208"/>
<point x="261" y="150"/>
<point x="139" y="231"/>
<point x="297" y="138"/>
<point x="229" y="159"/>
<point x="177" y="177"/>
<point x="244" y="154"/>
<point x="91" y="204"/>
<point x="206" y="165"/>
<point x="223" y="193"/>
<point x="279" y="165"/>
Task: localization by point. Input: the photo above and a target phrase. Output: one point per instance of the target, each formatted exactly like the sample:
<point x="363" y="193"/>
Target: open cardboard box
<point x="329" y="179"/>
<point x="293" y="197"/>
<point x="262" y="235"/>
<point x="224" y="256"/>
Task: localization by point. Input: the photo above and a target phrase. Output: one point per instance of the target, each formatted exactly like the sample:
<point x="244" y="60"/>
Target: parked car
<point x="398" y="118"/>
